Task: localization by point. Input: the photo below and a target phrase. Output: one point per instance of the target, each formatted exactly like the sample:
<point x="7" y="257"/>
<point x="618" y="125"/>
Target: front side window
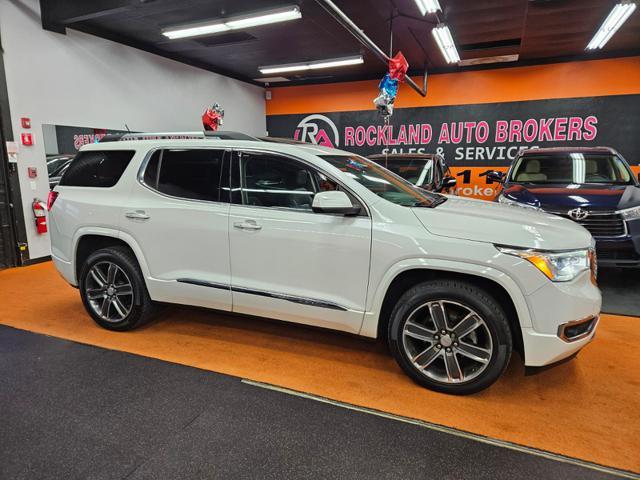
<point x="194" y="174"/>
<point x="571" y="168"/>
<point x="97" y="168"/>
<point x="273" y="181"/>
<point x="383" y="183"/>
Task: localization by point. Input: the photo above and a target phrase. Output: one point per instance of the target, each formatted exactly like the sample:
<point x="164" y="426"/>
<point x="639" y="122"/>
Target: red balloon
<point x="398" y="67"/>
<point x="212" y="118"/>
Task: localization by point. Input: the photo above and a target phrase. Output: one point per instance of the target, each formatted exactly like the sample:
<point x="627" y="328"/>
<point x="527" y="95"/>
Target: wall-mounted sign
<point x="475" y="138"/>
<point x="26" y="139"/>
<point x="70" y="139"/>
<point x="475" y="135"/>
<point x="12" y="152"/>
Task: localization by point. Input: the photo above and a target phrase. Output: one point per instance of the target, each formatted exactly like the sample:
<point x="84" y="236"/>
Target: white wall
<point x="82" y="80"/>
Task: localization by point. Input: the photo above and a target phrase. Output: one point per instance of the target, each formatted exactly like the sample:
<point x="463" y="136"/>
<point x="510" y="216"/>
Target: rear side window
<point x="97" y="168"/>
<point x="194" y="174"/>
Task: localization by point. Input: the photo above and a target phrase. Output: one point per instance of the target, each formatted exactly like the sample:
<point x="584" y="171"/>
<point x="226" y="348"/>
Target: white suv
<point x="323" y="237"/>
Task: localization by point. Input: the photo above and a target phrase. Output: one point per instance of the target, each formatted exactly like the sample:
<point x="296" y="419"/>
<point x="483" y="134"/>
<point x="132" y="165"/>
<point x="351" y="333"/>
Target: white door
<point x="178" y="217"/>
<point x="288" y="262"/>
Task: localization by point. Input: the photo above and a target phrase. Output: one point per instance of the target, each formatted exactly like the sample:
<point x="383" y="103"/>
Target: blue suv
<point x="592" y="186"/>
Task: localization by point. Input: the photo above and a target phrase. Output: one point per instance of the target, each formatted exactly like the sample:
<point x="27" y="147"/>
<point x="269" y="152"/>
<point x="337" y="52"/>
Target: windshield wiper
<point x="439" y="200"/>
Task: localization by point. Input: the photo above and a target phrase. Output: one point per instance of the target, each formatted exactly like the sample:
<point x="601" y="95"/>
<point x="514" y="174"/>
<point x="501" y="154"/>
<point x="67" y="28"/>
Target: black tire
<point x="460" y="294"/>
<point x="142" y="307"/>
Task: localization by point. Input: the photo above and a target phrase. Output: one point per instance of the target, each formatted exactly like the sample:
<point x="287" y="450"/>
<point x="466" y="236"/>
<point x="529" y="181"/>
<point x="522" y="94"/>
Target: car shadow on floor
<point x="620" y="290"/>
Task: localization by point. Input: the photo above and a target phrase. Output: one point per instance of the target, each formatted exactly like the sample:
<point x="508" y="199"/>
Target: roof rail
<point x="218" y="135"/>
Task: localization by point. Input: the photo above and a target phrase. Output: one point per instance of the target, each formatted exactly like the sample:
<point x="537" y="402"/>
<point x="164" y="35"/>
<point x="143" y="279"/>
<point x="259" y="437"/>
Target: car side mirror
<point x="334" y="201"/>
<point x="449" y="182"/>
<point x="496" y="176"/>
<point x="639" y="176"/>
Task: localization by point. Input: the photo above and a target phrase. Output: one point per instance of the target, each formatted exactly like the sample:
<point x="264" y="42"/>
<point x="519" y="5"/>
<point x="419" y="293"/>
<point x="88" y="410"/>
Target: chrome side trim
<point x="291" y="298"/>
<point x="203" y="283"/>
<point x="263" y="293"/>
<point x="562" y="328"/>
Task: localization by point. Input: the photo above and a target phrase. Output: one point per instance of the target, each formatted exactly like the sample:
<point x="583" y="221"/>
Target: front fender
<point x="372" y="315"/>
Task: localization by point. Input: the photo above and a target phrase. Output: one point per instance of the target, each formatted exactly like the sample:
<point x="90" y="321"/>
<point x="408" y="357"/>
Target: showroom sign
<point x="475" y="138"/>
<point x="70" y="139"/>
<point x="475" y="135"/>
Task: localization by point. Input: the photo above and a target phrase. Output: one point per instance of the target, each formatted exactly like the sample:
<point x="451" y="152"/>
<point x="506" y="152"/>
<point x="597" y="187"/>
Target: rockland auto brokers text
<point x="479" y="137"/>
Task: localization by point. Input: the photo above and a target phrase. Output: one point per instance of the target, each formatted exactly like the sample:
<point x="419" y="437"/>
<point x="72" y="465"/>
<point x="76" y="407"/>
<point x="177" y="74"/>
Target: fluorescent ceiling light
<point x="443" y="37"/>
<point x="428" y="6"/>
<point x="196" y="30"/>
<point x="234" y="23"/>
<point x="271" y="79"/>
<point x="299" y="67"/>
<point x="612" y="23"/>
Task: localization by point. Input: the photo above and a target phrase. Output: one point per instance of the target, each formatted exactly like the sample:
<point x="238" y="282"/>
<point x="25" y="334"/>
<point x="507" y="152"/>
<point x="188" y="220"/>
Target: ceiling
<point x="539" y="31"/>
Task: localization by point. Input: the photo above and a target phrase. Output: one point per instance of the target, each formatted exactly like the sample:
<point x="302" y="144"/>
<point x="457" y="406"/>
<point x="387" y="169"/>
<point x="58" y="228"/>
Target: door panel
<point x="293" y="264"/>
<point x="185" y="241"/>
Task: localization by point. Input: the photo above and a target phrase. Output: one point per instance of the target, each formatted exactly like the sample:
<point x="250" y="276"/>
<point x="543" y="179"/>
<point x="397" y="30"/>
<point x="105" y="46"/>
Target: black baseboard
<point x="33" y="261"/>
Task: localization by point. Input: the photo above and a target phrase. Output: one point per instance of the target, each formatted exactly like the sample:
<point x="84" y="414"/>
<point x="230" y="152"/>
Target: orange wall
<point x="618" y="76"/>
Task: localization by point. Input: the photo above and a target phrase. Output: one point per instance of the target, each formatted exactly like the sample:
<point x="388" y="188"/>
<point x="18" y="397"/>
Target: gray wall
<point x="79" y="79"/>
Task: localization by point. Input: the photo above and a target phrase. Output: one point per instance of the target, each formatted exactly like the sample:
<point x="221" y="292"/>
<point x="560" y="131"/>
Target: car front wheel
<point x="450" y="336"/>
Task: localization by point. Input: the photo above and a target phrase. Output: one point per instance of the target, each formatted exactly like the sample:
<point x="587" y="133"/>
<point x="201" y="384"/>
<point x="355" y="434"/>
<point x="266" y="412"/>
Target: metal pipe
<point x="333" y="10"/>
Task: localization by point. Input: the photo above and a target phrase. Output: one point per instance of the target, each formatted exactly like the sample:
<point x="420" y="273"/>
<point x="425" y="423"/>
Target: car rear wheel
<point x="450" y="336"/>
<point x="113" y="291"/>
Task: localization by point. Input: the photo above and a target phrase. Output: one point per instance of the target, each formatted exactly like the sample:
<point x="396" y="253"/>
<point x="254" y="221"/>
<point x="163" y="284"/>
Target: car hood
<point x="566" y="197"/>
<point x="491" y="222"/>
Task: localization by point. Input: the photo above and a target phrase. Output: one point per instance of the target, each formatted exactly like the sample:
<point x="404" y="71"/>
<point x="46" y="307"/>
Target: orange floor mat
<point x="588" y="408"/>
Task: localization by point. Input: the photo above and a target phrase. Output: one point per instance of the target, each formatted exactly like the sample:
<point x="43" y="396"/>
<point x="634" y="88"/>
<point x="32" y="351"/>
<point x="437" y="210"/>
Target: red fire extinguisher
<point x="40" y="214"/>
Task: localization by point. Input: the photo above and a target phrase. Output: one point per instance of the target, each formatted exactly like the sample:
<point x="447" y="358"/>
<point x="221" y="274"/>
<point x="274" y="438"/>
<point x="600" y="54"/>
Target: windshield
<point x="382" y="182"/>
<point x="571" y="168"/>
<point x="418" y="171"/>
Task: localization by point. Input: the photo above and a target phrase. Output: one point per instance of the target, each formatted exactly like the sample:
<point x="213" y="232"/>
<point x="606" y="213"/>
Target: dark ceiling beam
<point x="56" y="15"/>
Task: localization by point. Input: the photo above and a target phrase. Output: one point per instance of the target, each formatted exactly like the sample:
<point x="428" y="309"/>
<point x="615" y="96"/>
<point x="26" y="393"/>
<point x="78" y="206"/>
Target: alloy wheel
<point x="109" y="291"/>
<point x="447" y="341"/>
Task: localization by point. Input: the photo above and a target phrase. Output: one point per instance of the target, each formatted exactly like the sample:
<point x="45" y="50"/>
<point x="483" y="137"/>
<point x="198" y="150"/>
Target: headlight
<point x="630" y="213"/>
<point x="507" y="201"/>
<point x="557" y="266"/>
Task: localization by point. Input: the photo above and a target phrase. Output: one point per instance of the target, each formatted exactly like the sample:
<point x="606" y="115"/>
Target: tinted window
<point x="192" y="174"/>
<point x="97" y="169"/>
<point x="272" y="181"/>
<point x="151" y="172"/>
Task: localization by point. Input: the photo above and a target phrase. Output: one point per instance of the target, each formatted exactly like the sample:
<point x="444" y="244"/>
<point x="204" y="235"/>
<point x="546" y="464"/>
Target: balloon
<point x="213" y="117"/>
<point x="388" y="90"/>
<point x="389" y="85"/>
<point x="384" y="104"/>
<point x="398" y="67"/>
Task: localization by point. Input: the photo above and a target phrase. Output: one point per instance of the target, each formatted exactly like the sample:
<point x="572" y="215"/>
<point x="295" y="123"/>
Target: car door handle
<point x="137" y="215"/>
<point x="248" y="225"/>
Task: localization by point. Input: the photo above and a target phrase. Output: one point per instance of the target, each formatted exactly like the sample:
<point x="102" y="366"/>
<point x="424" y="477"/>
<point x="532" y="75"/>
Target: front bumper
<point x="556" y="308"/>
<point x="543" y="349"/>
